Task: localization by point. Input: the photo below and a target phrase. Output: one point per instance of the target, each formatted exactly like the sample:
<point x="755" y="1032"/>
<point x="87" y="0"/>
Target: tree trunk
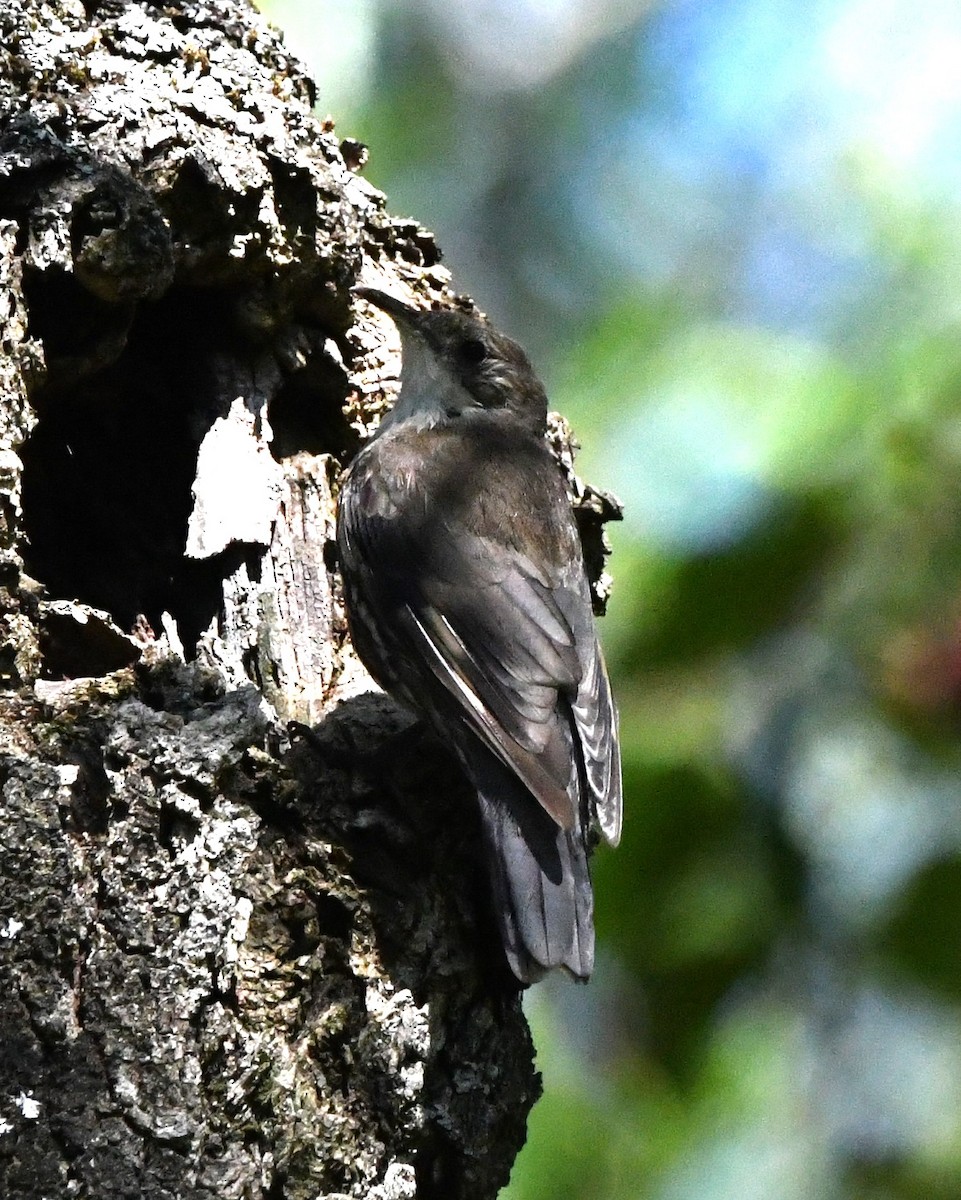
<point x="245" y="947"/>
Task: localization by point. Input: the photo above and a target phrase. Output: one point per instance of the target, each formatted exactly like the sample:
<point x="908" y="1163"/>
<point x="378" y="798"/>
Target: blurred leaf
<point x="720" y="906"/>
<point x="558" y="1161"/>
<point x="796" y="416"/>
<point x="717" y="602"/>
<point x="924" y="935"/>
<point x="695" y="904"/>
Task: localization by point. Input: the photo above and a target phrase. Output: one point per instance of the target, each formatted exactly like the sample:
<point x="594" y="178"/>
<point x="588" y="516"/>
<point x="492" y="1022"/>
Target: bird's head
<point x="455" y="366"/>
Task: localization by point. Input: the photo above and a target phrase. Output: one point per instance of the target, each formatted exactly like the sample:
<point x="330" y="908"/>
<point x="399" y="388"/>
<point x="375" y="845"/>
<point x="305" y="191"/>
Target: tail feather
<point x="541" y="885"/>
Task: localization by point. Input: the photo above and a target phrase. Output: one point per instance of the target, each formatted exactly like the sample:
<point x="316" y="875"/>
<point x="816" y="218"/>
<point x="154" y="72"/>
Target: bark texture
<point x="244" y="944"/>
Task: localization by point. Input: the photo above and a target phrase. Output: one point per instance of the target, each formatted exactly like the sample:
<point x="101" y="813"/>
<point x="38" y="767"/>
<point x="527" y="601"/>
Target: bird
<point x="468" y="601"/>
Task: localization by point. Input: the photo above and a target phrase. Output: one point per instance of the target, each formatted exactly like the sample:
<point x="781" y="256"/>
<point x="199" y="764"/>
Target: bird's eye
<point x="472" y="352"/>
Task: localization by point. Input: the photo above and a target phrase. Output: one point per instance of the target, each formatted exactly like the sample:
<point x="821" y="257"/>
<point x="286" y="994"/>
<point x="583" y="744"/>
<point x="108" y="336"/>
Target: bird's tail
<point x="541" y="885"/>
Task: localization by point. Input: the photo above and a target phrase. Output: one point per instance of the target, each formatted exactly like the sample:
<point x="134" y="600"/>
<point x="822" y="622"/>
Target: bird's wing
<point x="595" y="718"/>
<point x="511" y="640"/>
<point x="491" y="633"/>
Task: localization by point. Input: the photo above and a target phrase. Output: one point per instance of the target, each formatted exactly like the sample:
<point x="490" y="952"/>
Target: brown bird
<point x="469" y="603"/>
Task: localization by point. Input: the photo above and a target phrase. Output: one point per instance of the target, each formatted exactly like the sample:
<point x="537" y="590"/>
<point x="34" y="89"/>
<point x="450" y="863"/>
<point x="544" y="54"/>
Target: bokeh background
<point x="729" y="233"/>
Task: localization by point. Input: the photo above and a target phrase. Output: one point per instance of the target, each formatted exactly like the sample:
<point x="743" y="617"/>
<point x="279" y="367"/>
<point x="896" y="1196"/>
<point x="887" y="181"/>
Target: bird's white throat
<point x="429" y="391"/>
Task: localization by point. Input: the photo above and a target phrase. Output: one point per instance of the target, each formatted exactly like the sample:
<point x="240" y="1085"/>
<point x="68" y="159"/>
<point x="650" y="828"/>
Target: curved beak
<point x="390" y="304"/>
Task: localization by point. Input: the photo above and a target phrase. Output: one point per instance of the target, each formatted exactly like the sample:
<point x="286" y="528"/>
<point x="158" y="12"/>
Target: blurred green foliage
<point x="729" y="234"/>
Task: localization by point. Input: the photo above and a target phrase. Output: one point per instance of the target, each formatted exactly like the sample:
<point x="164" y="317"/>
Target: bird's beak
<point x="390" y="304"/>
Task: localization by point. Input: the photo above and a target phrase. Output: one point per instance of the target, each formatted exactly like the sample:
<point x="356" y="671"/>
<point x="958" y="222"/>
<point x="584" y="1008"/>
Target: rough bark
<point x="244" y="945"/>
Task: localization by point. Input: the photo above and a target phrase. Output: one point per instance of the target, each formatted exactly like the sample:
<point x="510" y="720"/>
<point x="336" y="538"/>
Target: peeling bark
<point x="244" y="947"/>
